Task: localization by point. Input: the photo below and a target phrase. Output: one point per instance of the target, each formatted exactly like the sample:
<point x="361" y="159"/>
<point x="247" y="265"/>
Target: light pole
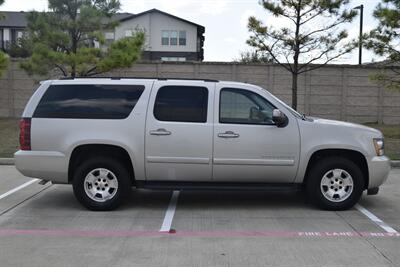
<point x="360" y="41"/>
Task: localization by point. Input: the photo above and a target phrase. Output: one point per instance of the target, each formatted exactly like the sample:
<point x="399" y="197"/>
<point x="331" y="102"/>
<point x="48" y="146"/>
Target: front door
<point x="248" y="146"/>
<point x="179" y="131"/>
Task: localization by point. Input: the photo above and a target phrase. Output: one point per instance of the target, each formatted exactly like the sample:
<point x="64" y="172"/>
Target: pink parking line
<point x="220" y="234"/>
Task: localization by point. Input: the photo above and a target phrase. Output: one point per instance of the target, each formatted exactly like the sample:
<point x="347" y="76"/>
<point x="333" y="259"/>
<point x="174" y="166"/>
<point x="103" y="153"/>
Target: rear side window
<point x="88" y="101"/>
<point x="181" y="103"/>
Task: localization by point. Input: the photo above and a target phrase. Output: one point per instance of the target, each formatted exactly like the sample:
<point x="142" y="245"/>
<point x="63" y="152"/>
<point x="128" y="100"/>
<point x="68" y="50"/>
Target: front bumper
<point x="378" y="168"/>
<point x="47" y="165"/>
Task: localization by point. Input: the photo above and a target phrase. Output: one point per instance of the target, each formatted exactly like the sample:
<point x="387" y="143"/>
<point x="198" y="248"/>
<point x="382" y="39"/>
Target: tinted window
<point x="244" y="107"/>
<point x="88" y="101"/>
<point x="181" y="103"/>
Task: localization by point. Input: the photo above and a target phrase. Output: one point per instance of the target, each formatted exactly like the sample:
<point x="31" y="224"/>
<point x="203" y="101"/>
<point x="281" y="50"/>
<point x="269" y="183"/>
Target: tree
<point x="254" y="57"/>
<point x="65" y="38"/>
<point x="3" y="57"/>
<point x="313" y="34"/>
<point x="21" y="48"/>
<point x="385" y="41"/>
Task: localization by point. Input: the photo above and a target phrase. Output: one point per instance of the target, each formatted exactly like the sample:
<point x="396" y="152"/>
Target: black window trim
<point x="242" y="123"/>
<point x="181" y="85"/>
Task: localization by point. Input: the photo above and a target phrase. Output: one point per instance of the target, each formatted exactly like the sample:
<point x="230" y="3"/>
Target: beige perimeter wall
<point x="340" y="92"/>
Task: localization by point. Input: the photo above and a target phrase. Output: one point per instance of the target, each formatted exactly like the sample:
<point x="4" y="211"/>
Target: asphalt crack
<point x="379" y="252"/>
<point x="23" y="201"/>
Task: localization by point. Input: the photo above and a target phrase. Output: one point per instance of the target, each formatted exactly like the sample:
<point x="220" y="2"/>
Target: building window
<point x="109" y="35"/>
<point x="20" y="34"/>
<point x="173" y="40"/>
<point x="173" y="59"/>
<point x="165" y="37"/>
<point x="173" y="37"/>
<point x="16" y="36"/>
<point x="182" y="37"/>
<point x="128" y="33"/>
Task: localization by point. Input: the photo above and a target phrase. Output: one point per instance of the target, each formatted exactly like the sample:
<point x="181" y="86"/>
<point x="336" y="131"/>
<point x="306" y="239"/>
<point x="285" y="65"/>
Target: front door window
<point x="238" y="106"/>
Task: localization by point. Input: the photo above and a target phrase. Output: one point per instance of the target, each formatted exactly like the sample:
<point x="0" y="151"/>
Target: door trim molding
<point x="266" y="162"/>
<point x="183" y="160"/>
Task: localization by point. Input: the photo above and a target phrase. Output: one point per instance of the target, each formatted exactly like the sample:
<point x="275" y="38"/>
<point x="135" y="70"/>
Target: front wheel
<point x="101" y="184"/>
<point x="335" y="183"/>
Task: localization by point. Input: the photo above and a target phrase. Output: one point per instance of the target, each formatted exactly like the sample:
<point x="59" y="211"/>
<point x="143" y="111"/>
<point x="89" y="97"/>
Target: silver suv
<point x="105" y="135"/>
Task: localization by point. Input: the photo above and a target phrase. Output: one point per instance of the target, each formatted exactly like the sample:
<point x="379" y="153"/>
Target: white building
<point x="168" y="37"/>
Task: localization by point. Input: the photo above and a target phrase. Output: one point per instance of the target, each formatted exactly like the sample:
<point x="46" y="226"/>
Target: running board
<point x="228" y="186"/>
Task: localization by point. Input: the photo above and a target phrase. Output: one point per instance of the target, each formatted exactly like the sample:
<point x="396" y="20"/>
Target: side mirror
<point x="279" y="118"/>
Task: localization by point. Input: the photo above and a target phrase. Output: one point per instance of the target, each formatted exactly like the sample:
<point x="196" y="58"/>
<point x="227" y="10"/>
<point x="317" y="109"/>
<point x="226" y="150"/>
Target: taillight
<point x="25" y="134"/>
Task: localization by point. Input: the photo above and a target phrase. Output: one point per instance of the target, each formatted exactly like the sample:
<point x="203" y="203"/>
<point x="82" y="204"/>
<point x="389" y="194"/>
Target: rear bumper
<point x="379" y="168"/>
<point x="48" y="165"/>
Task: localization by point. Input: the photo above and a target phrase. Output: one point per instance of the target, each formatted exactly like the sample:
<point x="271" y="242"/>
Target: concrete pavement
<point x="45" y="226"/>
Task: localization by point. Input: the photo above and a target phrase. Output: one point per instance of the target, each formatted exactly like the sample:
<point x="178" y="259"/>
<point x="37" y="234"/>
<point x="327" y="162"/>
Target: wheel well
<point x="83" y="152"/>
<point x="352" y="155"/>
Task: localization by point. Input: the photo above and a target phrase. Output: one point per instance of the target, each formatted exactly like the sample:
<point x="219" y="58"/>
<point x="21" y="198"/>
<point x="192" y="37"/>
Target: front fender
<point x="307" y="155"/>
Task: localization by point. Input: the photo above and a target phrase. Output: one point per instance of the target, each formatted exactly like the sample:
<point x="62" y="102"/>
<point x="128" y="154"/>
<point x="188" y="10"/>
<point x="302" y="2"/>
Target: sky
<point x="225" y="22"/>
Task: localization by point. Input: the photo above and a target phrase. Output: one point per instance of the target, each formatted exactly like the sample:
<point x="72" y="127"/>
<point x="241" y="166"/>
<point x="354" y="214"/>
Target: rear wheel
<point x="101" y="184"/>
<point x="335" y="183"/>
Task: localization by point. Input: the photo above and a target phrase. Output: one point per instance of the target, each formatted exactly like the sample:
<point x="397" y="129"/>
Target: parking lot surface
<point x="43" y="225"/>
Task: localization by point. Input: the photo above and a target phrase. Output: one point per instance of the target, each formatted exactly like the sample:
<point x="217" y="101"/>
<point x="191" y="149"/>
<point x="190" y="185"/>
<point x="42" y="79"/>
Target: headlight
<point x="379" y="146"/>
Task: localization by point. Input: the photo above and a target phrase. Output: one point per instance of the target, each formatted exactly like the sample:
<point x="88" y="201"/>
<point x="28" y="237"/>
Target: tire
<point x="329" y="187"/>
<point x="101" y="183"/>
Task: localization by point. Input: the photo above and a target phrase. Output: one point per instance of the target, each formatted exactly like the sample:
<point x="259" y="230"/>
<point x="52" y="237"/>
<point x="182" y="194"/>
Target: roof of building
<point x="13" y="19"/>
<point x="17" y="19"/>
<point x="121" y="16"/>
<point x="154" y="10"/>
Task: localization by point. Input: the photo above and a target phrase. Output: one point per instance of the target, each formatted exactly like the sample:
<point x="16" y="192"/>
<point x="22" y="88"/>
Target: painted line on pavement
<point x="375" y="219"/>
<point x="212" y="234"/>
<point x="12" y="191"/>
<point x="169" y="215"/>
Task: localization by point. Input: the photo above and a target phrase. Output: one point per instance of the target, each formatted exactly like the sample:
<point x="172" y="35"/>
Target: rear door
<point x="179" y="130"/>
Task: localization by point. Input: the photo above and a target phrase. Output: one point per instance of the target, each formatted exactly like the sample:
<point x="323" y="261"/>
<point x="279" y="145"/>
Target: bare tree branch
<point x="272" y="54"/>
<point x="64" y="72"/>
<point x="303" y="43"/>
<point x="289" y="17"/>
<point x="333" y="25"/>
<point x="309" y="11"/>
<point x="91" y="70"/>
<point x="312" y="17"/>
<point x="314" y="67"/>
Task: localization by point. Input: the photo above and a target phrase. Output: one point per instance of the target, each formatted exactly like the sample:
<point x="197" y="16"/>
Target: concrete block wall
<point x="342" y="92"/>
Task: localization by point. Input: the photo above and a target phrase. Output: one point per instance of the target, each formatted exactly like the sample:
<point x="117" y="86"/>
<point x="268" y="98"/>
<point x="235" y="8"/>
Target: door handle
<point x="228" y="134"/>
<point x="160" y="131"/>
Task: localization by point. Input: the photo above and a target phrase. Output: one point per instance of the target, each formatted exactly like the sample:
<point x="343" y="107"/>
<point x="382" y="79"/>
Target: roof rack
<point x="142" y="78"/>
